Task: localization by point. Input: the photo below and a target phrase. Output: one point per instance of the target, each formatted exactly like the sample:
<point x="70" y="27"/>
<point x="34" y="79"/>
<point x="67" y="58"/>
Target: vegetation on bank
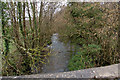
<point x="94" y="27"/>
<point x="86" y="58"/>
<point x="25" y="33"/>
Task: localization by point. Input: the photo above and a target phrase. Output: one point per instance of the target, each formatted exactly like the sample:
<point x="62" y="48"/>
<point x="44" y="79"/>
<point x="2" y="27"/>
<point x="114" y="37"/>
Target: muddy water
<point x="60" y="55"/>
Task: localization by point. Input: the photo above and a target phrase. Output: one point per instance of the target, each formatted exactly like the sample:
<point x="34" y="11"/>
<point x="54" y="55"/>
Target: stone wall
<point x="112" y="71"/>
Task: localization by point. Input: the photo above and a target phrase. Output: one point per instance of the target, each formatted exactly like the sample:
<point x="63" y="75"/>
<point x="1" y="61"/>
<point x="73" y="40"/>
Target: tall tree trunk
<point x="40" y="14"/>
<point x="34" y="18"/>
<point x="30" y="23"/>
<point x="119" y="30"/>
<point x="25" y="55"/>
<point x="24" y="25"/>
<point x="4" y="32"/>
<point x="40" y="18"/>
<point x="20" y="21"/>
<point x="34" y="25"/>
<point x="14" y="23"/>
<point x="29" y="17"/>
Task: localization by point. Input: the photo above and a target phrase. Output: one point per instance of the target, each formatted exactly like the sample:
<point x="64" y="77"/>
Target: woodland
<point x="26" y="30"/>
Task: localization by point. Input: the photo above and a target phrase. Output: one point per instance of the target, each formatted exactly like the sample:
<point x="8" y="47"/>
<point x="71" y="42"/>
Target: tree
<point x="4" y="30"/>
<point x="119" y="31"/>
<point x="26" y="45"/>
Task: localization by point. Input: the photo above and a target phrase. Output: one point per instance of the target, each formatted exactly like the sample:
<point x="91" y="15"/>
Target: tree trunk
<point x="34" y="25"/>
<point x="20" y="21"/>
<point x="3" y="31"/>
<point x="24" y="25"/>
<point x="29" y="17"/>
<point x="26" y="57"/>
<point x="34" y="18"/>
<point x="40" y="18"/>
<point x="119" y="31"/>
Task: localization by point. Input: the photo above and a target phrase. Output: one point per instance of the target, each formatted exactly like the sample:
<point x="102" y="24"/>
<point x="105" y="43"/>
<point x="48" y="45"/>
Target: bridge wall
<point x="112" y="71"/>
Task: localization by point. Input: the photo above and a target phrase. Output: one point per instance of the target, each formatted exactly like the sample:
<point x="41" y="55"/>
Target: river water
<point x="60" y="55"/>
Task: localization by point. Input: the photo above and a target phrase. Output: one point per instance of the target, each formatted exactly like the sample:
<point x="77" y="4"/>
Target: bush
<point x="86" y="58"/>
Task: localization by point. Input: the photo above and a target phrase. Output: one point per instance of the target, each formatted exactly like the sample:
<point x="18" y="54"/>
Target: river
<point x="60" y="55"/>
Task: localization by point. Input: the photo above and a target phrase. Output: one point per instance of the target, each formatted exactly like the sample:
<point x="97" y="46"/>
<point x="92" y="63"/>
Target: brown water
<point x="58" y="60"/>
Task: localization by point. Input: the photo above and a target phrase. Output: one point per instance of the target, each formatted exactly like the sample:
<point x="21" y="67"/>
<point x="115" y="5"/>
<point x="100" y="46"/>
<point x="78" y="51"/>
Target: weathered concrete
<point x="112" y="71"/>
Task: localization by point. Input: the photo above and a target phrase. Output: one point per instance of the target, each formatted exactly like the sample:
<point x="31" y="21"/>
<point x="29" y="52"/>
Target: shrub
<point x="86" y="58"/>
